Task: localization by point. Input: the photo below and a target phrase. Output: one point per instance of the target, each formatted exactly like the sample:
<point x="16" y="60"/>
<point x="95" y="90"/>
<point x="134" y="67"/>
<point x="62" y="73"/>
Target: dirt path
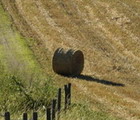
<point x="14" y="52"/>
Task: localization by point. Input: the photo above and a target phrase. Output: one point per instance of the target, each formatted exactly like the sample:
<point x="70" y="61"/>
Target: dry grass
<point x="106" y="31"/>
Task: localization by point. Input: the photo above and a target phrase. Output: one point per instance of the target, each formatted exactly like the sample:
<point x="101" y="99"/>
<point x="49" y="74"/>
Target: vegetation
<point x="17" y="95"/>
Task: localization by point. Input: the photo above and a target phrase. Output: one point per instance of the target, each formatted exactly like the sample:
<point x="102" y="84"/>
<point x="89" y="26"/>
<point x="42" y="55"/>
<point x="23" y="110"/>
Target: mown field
<point x="108" y="33"/>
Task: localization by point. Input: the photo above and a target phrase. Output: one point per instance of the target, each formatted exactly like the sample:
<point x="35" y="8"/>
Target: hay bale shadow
<point x="90" y="78"/>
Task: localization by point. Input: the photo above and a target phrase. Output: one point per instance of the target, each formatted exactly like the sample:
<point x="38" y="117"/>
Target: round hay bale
<point x="68" y="62"/>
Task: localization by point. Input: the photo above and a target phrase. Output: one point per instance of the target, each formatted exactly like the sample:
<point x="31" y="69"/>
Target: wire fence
<point x="53" y="111"/>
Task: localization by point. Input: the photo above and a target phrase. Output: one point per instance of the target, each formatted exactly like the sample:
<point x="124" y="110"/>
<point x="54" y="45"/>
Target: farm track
<point x="6" y="36"/>
<point x="15" y="54"/>
<point x="107" y="35"/>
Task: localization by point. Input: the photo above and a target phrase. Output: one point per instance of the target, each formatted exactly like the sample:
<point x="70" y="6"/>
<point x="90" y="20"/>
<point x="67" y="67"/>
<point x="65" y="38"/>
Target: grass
<point x="83" y="111"/>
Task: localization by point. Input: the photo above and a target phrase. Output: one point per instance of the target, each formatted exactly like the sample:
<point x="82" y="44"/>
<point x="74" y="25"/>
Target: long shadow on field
<point x="105" y="82"/>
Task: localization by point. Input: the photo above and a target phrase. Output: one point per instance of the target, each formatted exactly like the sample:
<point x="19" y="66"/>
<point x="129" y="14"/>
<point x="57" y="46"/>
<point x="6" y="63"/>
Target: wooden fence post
<point x="48" y="114"/>
<point x="59" y="103"/>
<point x="35" y="116"/>
<point x="69" y="94"/>
<point x="66" y="96"/>
<point x="59" y="100"/>
<point x="53" y="109"/>
<point x="25" y="117"/>
<point x="7" y="116"/>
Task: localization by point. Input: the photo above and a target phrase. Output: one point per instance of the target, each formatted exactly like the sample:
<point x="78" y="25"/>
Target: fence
<point x="54" y="108"/>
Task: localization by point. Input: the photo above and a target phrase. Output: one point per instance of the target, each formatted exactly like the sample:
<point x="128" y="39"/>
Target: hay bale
<point x="68" y="62"/>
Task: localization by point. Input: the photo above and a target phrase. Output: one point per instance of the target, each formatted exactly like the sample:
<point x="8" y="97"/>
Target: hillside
<point x="108" y="33"/>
